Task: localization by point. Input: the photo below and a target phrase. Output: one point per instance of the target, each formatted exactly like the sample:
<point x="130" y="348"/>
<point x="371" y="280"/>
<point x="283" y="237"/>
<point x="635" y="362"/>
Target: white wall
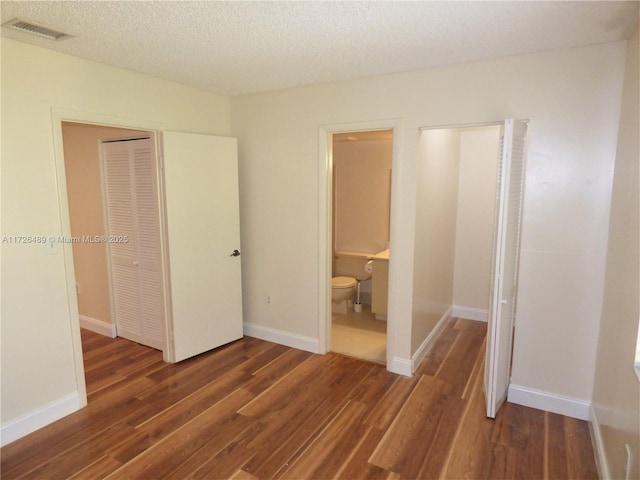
<point x="479" y="149"/>
<point x="572" y="98"/>
<point x="616" y="394"/>
<point x="38" y="362"/>
<point x="435" y="229"/>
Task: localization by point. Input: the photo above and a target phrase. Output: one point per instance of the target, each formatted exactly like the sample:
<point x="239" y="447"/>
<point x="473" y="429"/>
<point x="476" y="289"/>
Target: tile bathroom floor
<point x="360" y="335"/>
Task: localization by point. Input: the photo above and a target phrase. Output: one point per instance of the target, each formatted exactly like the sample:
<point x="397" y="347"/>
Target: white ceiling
<point x="238" y="47"/>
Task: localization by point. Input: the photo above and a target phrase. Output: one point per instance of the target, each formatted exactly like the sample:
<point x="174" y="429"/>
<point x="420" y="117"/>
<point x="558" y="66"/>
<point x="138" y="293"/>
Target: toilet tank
<point x="351" y="264"/>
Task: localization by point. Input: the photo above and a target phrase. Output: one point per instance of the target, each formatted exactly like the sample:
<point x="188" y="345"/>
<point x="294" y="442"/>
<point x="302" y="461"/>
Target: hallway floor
<point x="360" y="335"/>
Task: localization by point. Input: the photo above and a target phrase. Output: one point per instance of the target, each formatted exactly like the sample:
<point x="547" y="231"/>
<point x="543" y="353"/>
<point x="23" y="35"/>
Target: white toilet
<point x="342" y="289"/>
<point x="348" y="270"/>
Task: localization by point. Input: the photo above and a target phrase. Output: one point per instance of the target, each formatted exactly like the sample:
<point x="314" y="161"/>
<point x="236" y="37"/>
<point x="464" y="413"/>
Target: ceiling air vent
<point x="29" y="27"/>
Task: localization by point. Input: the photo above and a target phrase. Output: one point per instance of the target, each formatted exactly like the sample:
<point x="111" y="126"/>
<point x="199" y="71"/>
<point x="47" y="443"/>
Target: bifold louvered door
<point x="134" y="240"/>
<point x="506" y="253"/>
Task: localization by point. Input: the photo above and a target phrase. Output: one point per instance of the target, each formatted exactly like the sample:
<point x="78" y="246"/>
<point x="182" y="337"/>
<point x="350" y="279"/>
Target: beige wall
<point x="479" y="148"/>
<point x="38" y="361"/>
<point x="435" y="229"/>
<point x="616" y="394"/>
<point x="362" y="188"/>
<point x="572" y="98"/>
<point x="86" y="213"/>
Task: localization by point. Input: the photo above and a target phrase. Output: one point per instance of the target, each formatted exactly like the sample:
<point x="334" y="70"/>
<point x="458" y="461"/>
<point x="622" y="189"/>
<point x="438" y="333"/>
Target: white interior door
<point x="203" y="232"/>
<point x="502" y="302"/>
<point x="134" y="239"/>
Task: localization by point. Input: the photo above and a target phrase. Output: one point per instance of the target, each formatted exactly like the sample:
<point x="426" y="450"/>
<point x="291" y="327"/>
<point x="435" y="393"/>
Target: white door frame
<point x="59" y="115"/>
<point x="325" y="208"/>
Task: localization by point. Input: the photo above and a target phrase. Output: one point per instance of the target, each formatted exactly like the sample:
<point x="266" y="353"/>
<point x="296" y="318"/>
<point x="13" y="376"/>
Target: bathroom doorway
<point x="360" y="226"/>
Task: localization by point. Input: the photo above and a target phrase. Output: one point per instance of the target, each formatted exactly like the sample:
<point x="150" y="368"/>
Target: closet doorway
<point x="196" y="180"/>
<point x="113" y="212"/>
<point x="468" y="220"/>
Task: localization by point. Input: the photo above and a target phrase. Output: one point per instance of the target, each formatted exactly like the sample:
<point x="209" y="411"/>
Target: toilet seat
<point x="343" y="282"/>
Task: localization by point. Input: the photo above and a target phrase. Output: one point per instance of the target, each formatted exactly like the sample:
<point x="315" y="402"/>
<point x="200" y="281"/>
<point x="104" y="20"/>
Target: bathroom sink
<point x="383" y="255"/>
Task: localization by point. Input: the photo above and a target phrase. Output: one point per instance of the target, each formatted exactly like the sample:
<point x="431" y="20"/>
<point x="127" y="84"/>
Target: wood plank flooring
<point x="257" y="410"/>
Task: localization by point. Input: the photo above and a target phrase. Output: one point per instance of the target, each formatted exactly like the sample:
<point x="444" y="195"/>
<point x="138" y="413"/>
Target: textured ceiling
<point x="238" y="47"/>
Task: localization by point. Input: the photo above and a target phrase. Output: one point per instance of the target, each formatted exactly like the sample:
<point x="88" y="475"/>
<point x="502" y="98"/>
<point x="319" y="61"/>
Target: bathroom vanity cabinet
<point x="380" y="285"/>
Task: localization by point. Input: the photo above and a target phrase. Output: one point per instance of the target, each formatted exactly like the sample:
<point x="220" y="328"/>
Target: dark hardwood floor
<point x="254" y="409"/>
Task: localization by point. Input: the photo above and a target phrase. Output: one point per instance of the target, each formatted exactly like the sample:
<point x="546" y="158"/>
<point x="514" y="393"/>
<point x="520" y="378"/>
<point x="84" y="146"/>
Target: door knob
<point x="235" y="253"/>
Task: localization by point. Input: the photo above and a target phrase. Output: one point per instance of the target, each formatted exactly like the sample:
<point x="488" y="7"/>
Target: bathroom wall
<point x="86" y="212"/>
<point x="479" y="150"/>
<point x="362" y="189"/>
<point x="435" y="229"/>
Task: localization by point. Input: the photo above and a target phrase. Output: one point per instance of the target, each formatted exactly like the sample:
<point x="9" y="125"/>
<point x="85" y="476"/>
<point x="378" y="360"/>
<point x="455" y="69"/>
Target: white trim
<point x="401" y="366"/>
<point x="282" y="337"/>
<point x="598" y="445"/>
<point x="469" y="125"/>
<point x="549" y="402"/>
<point x="98" y="326"/>
<point x="425" y="346"/>
<point x="470" y="313"/>
<point x="40" y="417"/>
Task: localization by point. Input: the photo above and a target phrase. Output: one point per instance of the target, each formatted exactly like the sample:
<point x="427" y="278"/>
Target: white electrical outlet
<point x="51" y="247"/>
<point x="267" y="300"/>
<point x="628" y="463"/>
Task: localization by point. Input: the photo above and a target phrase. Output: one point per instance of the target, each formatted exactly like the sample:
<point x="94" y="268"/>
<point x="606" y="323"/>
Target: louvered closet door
<point x="148" y="243"/>
<point x="132" y="213"/>
<point x="506" y="253"/>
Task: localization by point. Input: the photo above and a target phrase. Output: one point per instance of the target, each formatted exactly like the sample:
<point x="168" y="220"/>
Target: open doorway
<point x="468" y="220"/>
<point x="202" y="292"/>
<point x="455" y="210"/>
<point x="361" y="197"/>
<point x="326" y="235"/>
<point x="88" y="220"/>
<point x="112" y="197"/>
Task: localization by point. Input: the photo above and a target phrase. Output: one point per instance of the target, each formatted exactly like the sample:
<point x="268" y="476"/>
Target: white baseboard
<point x="98" y="326"/>
<point x="550" y="402"/>
<point x="282" y="337"/>
<point x="32" y="421"/>
<point x="470" y="313"/>
<point x="401" y="366"/>
<point x="424" y="347"/>
<point x="598" y="445"/>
